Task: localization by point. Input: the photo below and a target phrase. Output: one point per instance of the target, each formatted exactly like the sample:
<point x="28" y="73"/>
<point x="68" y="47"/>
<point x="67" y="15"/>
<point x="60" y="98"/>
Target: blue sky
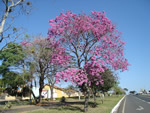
<point x="132" y="18"/>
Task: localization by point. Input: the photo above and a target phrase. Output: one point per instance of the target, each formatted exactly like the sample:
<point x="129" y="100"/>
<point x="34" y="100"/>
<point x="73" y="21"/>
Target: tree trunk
<point x="51" y="88"/>
<point x="86" y="99"/>
<point x="103" y="98"/>
<point x="31" y="89"/>
<point x="36" y="101"/>
<point x="94" y="96"/>
<point x="79" y="95"/>
<point x="40" y="96"/>
<point x="3" y="22"/>
<point x="5" y="17"/>
<point x="41" y="87"/>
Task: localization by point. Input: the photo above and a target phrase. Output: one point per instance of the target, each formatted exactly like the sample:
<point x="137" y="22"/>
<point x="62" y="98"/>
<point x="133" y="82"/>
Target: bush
<point x="8" y="105"/>
<point x="63" y="99"/>
<point x="1" y="90"/>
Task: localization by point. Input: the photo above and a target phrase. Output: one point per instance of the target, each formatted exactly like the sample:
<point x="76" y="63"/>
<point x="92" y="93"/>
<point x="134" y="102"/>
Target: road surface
<point x="135" y="104"/>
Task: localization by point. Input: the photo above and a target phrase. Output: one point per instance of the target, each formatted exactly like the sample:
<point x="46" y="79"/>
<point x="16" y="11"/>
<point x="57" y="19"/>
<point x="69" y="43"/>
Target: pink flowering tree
<point x="59" y="61"/>
<point x="94" y="42"/>
<point x="48" y="57"/>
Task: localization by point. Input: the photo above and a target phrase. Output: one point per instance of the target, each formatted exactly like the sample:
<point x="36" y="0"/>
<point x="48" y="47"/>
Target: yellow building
<point x="57" y="92"/>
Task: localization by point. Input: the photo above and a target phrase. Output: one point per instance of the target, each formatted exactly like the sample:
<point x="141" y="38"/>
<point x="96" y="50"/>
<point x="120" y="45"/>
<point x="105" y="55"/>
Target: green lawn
<point x="14" y="104"/>
<point x="106" y="107"/>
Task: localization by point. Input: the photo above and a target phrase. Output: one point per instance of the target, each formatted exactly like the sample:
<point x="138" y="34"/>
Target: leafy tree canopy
<point x="108" y="79"/>
<point x="11" y="58"/>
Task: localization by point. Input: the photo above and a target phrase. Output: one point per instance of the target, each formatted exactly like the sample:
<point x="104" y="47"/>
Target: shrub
<point x="63" y="99"/>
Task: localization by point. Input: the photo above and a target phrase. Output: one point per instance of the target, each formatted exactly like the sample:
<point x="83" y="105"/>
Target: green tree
<point x="28" y="71"/>
<point x="48" y="58"/>
<point x="13" y="79"/>
<point x="12" y="59"/>
<point x="40" y="54"/>
<point x="70" y="90"/>
<point x="108" y="82"/>
<point x="132" y="92"/>
<point x="118" y="90"/>
<point x="125" y="89"/>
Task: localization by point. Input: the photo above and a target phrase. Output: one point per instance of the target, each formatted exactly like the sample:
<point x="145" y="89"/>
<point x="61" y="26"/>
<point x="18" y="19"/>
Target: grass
<point x="3" y="105"/>
<point x="16" y="103"/>
<point x="77" y="107"/>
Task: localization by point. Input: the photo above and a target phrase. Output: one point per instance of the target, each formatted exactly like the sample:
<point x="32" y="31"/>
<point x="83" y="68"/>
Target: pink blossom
<point x="93" y="35"/>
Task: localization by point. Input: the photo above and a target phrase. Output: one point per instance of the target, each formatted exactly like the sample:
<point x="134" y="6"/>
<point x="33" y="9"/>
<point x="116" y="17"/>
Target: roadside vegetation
<point x="10" y="104"/>
<point x="106" y="107"/>
<point x="85" y="50"/>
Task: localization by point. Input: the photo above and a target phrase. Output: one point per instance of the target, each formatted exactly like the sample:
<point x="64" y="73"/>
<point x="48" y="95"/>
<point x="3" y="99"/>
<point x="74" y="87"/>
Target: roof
<point x="56" y="87"/>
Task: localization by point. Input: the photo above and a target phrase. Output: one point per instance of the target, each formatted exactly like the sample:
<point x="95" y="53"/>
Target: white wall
<point x="45" y="93"/>
<point x="35" y="91"/>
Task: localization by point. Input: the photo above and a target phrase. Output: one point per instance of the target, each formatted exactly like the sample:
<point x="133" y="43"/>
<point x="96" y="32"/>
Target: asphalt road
<point x="135" y="104"/>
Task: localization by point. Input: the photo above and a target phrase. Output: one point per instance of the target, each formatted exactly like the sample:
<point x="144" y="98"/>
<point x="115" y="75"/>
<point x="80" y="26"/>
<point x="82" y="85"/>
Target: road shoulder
<point x="117" y="106"/>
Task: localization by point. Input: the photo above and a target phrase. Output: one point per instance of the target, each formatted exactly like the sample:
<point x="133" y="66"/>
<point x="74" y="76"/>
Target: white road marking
<point x="142" y="100"/>
<point x="123" y="110"/>
<point x="146" y="96"/>
<point x="140" y="108"/>
<point x="114" y="110"/>
<point x="148" y="102"/>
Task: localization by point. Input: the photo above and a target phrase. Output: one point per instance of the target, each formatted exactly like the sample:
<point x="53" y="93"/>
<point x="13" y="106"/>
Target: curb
<point x="114" y="110"/>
